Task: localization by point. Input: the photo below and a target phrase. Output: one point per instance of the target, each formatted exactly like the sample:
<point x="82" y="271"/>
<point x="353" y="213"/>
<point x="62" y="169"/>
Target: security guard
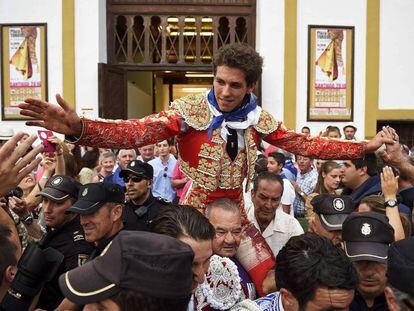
<point x="367" y="237"/>
<point x="64" y="233"/>
<point x="100" y="208"/>
<point x="331" y="210"/>
<point x="142" y="206"/>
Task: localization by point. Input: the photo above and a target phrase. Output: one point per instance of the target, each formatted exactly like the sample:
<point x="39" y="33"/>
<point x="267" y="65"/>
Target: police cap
<point x="148" y="263"/>
<point x="138" y="167"/>
<point x="367" y="236"/>
<point x="333" y="209"/>
<point x="93" y="196"/>
<point x="59" y="188"/>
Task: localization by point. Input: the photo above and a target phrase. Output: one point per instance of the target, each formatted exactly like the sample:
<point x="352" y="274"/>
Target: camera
<point x="36" y="267"/>
<point x="16" y="192"/>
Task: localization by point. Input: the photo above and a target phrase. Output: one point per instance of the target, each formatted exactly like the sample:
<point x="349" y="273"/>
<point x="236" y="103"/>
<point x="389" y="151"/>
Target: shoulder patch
<point x="78" y="236"/>
<point x="195" y="111"/>
<point x="267" y="123"/>
<point x="82" y="258"/>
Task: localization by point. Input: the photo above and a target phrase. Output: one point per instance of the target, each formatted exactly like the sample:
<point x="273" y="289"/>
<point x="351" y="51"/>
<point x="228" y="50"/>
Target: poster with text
<point x="24" y="69"/>
<point x="330" y="73"/>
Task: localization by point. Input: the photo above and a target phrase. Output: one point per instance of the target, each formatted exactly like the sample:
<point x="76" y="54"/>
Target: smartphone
<point x="48" y="146"/>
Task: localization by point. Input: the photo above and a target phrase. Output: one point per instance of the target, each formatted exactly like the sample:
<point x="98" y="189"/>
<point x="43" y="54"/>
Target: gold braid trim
<point x="267" y="124"/>
<point x="195" y="111"/>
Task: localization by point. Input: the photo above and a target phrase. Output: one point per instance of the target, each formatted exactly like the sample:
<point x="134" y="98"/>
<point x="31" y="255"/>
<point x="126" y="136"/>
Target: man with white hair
<point x="124" y="157"/>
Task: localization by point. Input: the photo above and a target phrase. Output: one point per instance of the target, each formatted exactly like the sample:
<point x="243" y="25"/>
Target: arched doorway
<point x="157" y="49"/>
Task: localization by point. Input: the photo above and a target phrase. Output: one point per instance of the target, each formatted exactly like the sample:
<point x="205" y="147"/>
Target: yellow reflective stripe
<point x="99" y="291"/>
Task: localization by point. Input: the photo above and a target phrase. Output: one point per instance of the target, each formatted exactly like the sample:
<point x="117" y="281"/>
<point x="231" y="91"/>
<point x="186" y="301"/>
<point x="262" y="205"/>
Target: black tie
<point x="231" y="146"/>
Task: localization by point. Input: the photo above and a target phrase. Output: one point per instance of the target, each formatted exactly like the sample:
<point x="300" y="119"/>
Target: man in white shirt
<point x="276" y="226"/>
<point x="275" y="164"/>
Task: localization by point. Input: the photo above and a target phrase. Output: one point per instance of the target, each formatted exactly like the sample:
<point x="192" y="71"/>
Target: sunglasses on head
<point x="134" y="178"/>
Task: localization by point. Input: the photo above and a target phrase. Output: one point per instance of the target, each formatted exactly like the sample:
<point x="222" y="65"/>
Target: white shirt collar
<point x="252" y="119"/>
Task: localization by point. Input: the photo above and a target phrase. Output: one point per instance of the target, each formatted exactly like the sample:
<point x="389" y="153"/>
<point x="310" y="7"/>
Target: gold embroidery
<point x="215" y="168"/>
<point x="251" y="156"/>
<point x="267" y="124"/>
<point x="196" y="197"/>
<point x="213" y="152"/>
<point x="195" y="111"/>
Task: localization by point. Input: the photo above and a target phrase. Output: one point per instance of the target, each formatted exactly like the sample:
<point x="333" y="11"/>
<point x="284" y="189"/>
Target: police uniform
<point x="92" y="197"/>
<point x="359" y="304"/>
<point x="70" y="241"/>
<point x="367" y="236"/>
<point x="68" y="238"/>
<point x="140" y="217"/>
<point x="99" y="248"/>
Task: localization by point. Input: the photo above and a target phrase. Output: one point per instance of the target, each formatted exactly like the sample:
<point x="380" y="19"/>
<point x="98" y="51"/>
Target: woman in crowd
<point x="328" y="182"/>
<point x="89" y="164"/>
<point x="106" y="166"/>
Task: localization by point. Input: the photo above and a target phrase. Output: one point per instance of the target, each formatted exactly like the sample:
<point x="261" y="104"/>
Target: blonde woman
<point x="328" y="182"/>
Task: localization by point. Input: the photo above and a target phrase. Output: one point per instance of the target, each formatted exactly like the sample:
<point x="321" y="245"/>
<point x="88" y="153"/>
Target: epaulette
<point x="267" y="123"/>
<point x="195" y="111"/>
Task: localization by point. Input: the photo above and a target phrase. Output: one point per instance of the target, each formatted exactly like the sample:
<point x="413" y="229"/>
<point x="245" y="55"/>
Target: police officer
<point x="142" y="206"/>
<point x="64" y="233"/>
<point x="100" y="207"/>
<point x="331" y="210"/>
<point x="367" y="237"/>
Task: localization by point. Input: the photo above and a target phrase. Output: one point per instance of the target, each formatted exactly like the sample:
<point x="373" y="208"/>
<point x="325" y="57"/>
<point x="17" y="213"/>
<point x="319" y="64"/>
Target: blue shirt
<point x="114" y="177"/>
<point x="162" y="178"/>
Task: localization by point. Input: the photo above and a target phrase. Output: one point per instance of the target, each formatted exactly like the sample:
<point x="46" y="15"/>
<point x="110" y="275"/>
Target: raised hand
<point x="58" y="118"/>
<point x="18" y="206"/>
<point x="389" y="183"/>
<point x="382" y="137"/>
<point x="393" y="154"/>
<point x="15" y="162"/>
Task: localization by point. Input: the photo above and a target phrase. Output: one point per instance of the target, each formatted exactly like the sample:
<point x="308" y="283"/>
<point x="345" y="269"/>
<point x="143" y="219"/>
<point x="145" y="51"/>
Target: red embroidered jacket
<point x="206" y="161"/>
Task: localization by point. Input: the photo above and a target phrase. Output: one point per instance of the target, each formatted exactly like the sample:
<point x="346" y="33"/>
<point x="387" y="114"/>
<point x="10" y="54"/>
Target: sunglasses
<point x="133" y="178"/>
<point x="165" y="170"/>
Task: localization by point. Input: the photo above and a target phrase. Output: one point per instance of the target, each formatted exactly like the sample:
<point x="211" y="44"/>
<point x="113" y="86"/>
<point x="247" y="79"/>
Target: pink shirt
<point x="177" y="174"/>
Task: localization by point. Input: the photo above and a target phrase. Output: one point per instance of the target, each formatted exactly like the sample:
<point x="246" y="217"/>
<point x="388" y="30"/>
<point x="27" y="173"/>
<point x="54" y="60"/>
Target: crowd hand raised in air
<point x="58" y="118"/>
<point x="16" y="162"/>
<point x="384" y="136"/>
<point x="393" y="154"/>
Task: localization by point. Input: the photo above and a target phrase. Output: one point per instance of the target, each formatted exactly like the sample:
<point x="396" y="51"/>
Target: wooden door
<point x="112" y="92"/>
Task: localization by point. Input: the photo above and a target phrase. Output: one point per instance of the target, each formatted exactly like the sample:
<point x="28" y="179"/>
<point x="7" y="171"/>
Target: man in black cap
<point x="64" y="233"/>
<point x="142" y="206"/>
<point x="400" y="273"/>
<point x="367" y="237"/>
<point x="100" y="207"/>
<point x="331" y="210"/>
<point x="138" y="271"/>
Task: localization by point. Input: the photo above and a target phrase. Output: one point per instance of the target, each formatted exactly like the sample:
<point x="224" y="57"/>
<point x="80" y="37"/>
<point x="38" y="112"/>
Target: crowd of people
<point x="210" y="205"/>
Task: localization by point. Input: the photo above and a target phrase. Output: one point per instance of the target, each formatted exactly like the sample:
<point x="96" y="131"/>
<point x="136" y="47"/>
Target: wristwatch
<point x="302" y="194"/>
<point x="391" y="203"/>
<point x="28" y="220"/>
